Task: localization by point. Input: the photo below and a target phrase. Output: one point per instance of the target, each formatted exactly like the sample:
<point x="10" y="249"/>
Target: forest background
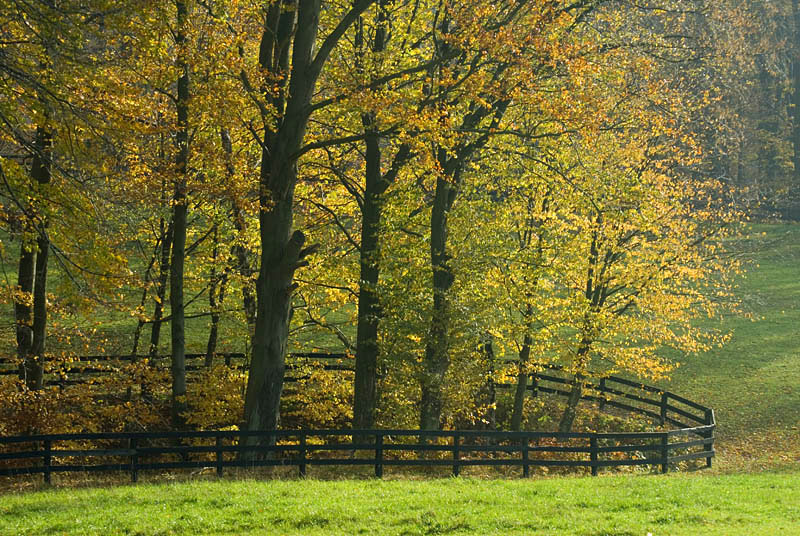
<point x="450" y="194"/>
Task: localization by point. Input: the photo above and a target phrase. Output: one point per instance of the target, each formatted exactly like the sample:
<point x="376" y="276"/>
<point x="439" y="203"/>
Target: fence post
<point x="219" y="456"/>
<point x="456" y="456"/>
<point x="132" y="444"/>
<point x="664" y="397"/>
<point x="534" y="385"/>
<point x="709" y="435"/>
<point x="664" y="453"/>
<point x="526" y="468"/>
<point x="593" y="454"/>
<point x="602" y="393"/>
<point x="48" y="460"/>
<point x="302" y="453"/>
<point x="379" y="455"/>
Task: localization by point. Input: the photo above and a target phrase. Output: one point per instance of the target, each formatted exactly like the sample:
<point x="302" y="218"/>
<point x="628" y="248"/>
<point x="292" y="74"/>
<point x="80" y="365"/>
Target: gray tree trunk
<point x="365" y="397"/>
<point x="522" y="385"/>
<point x="35" y="367"/>
<point x="23" y="312"/>
<point x="282" y="251"/>
<point x="179" y="220"/>
<point x="571" y="409"/>
<point x="33" y="361"/>
<point x="161" y="287"/>
<point x="576" y="386"/>
<point x="487" y="348"/>
<point x="216" y="295"/>
<point x="437" y="347"/>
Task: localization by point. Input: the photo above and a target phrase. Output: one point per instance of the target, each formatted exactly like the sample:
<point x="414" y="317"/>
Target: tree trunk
<point x="34" y="369"/>
<point x="576" y="389"/>
<point x="571" y="409"/>
<point x="369" y="314"/>
<point x="161" y="287"/>
<point x="23" y="312"/>
<point x="177" y="322"/>
<point x="488" y="351"/>
<point x="33" y="361"/>
<point x="282" y="250"/>
<point x="437" y="358"/>
<point x="216" y="285"/>
<point x="280" y="258"/>
<point x="213" y="334"/>
<point x="522" y="385"/>
<point x="137" y="334"/>
<point x="179" y="219"/>
<point x="364" y="397"/>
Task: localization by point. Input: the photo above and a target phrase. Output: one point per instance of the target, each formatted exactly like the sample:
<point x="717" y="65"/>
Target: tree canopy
<point x="447" y="193"/>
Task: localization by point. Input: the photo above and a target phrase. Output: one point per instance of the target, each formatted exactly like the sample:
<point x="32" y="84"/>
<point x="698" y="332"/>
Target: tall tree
<point x="289" y="25"/>
<point x="179" y="222"/>
<point x="376" y="184"/>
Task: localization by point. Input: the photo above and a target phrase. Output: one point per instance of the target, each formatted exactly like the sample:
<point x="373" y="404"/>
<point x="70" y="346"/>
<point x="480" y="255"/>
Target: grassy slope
<point x="753" y="382"/>
<point x="722" y="505"/>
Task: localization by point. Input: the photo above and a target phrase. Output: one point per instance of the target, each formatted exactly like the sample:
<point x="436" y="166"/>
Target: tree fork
<point x="282" y="250"/>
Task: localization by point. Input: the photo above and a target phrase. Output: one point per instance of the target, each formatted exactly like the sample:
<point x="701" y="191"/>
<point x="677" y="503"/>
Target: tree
<point x="43" y="48"/>
<point x="283" y="251"/>
<point x="497" y="56"/>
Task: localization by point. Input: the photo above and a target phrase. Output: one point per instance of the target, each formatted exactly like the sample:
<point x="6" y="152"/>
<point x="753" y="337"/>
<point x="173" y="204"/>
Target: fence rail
<point x="663" y="406"/>
<point x="81" y="369"/>
<point x="693" y="439"/>
<point x="218" y="450"/>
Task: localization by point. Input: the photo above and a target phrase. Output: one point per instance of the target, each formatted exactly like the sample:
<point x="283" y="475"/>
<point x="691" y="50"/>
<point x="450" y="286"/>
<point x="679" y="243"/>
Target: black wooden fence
<point x="659" y="405"/>
<point x="693" y="439"/>
<point x="218" y="450"/>
<point x="83" y="368"/>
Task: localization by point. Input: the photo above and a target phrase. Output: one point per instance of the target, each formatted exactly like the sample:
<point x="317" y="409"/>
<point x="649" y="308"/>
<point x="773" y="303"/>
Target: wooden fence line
<point x="463" y="448"/>
<point x="538" y="382"/>
<point x="96" y="365"/>
<point x="609" y="390"/>
<point x="455" y="448"/>
<point x="696" y="431"/>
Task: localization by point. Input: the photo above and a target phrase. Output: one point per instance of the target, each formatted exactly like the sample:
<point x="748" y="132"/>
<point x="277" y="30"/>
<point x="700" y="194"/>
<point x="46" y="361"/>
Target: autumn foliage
<point x="447" y="193"/>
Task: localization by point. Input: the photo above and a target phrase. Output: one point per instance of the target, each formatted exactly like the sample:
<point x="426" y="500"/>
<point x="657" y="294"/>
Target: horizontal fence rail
<point x="691" y="439"/>
<point x="218" y="450"/>
<point x="664" y="407"/>
<point x="80" y="369"/>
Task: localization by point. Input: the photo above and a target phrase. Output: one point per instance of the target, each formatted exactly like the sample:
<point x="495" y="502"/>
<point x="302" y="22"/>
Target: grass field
<point x="765" y="504"/>
<point x="753" y="382"/>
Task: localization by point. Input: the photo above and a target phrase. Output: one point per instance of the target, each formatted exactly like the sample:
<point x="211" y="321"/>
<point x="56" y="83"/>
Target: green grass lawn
<point x="764" y="504"/>
<point x="753" y="382"/>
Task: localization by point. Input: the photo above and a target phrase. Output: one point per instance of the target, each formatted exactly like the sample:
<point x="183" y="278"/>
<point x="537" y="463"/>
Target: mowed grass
<point x="753" y="382"/>
<point x="765" y="504"/>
